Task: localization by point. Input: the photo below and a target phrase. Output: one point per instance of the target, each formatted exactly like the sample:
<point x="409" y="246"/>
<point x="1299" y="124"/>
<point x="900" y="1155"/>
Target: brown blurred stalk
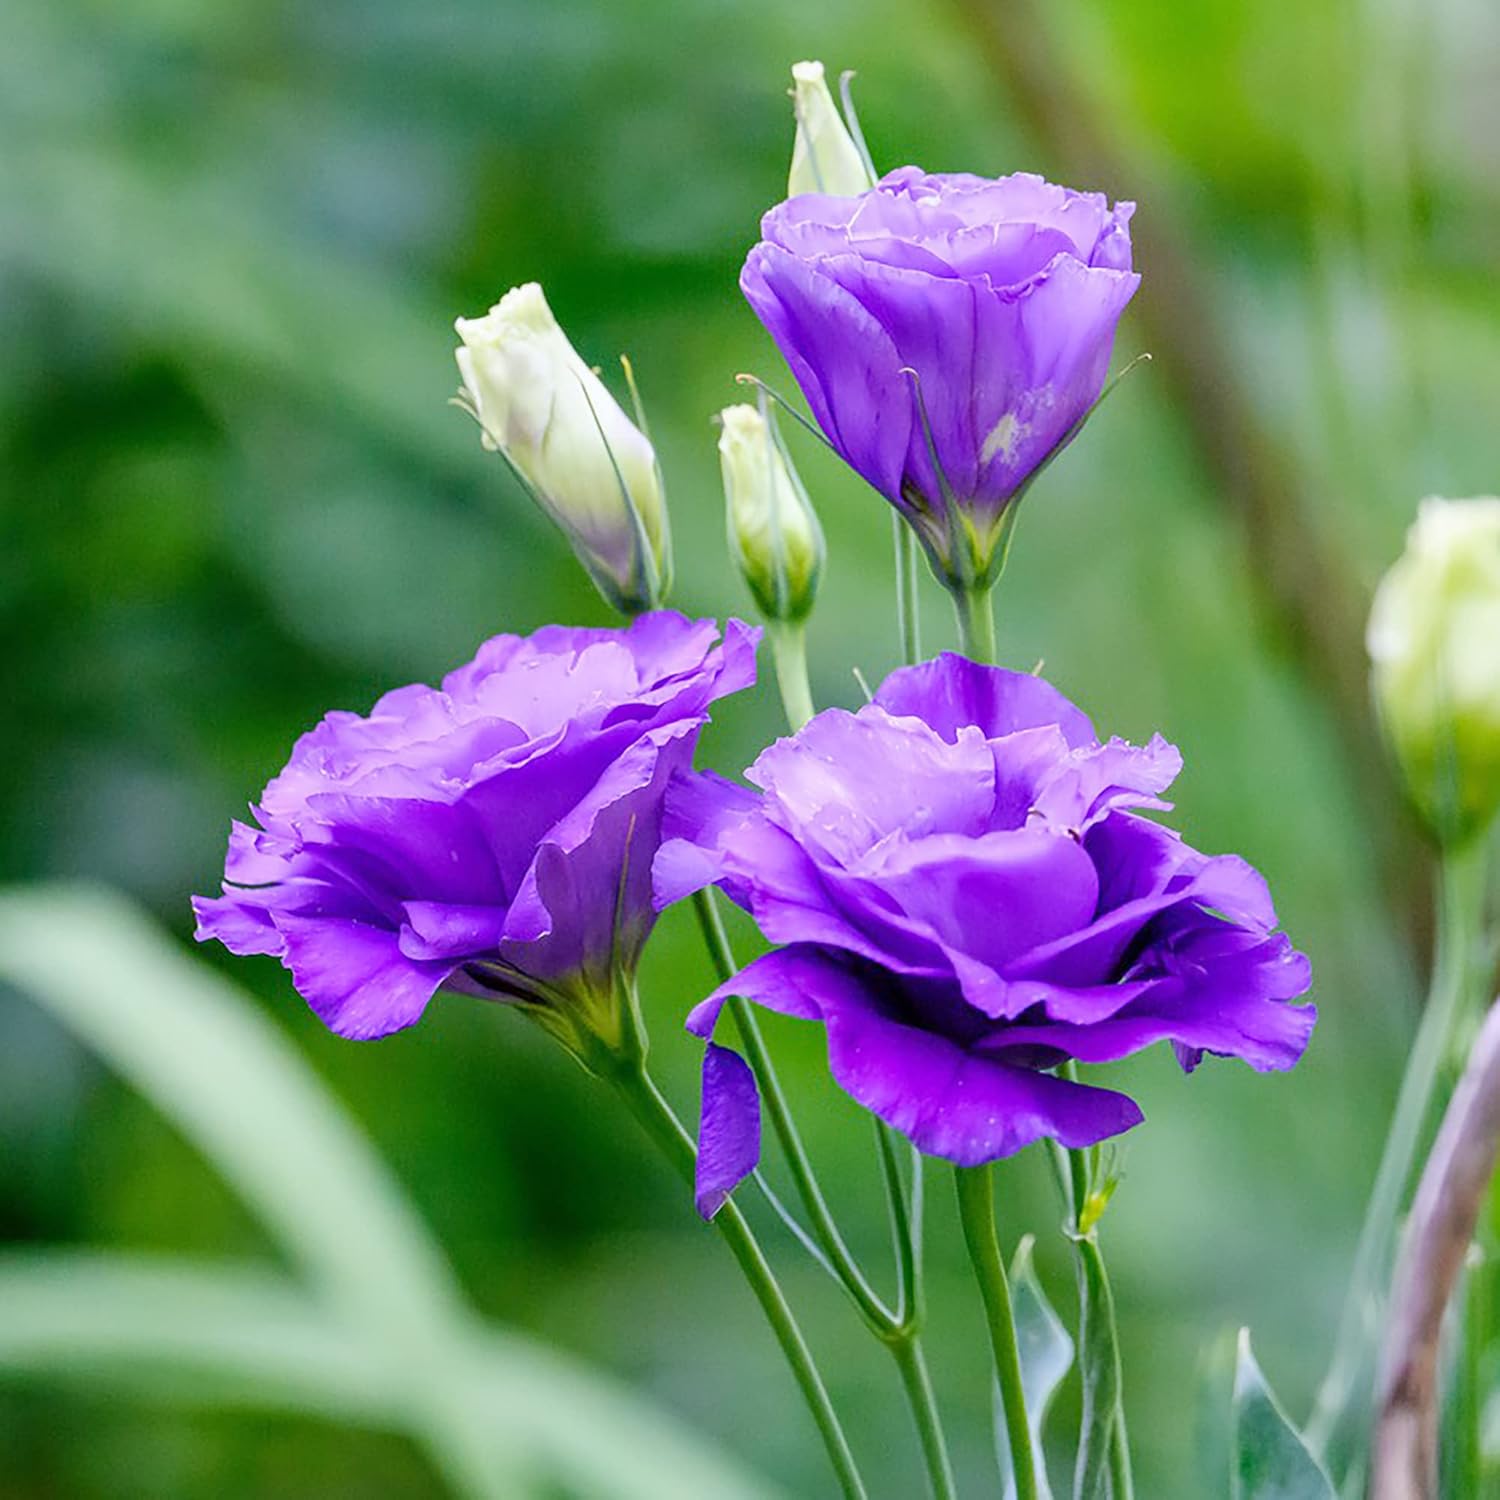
<point x="1310" y="596"/>
<point x="1443" y="1217"/>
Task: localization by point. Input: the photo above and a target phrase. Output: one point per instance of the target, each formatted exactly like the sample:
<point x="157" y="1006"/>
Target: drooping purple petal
<point x="728" y="1128"/>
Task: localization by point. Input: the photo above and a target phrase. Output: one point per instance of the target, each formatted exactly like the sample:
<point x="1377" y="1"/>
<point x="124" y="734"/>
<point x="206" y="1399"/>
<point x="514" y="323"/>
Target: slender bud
<point x="585" y="463"/>
<point x="774" y="535"/>
<point x="825" y="156"/>
<point x="1434" y="640"/>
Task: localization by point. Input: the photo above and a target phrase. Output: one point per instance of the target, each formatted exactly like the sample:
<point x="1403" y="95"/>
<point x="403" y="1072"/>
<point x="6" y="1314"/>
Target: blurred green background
<point x="232" y="243"/>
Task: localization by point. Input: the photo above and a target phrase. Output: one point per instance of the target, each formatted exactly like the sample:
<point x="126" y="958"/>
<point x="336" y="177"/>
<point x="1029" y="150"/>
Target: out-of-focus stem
<point x="1461" y="891"/>
<point x="976" y="1210"/>
<point x="1443" y="1216"/>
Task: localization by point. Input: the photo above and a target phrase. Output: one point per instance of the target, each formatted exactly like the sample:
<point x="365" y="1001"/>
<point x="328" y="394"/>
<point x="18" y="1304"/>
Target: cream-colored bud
<point x="774" y="535"/>
<point x="1434" y="641"/>
<point x="585" y="462"/>
<point x="825" y="158"/>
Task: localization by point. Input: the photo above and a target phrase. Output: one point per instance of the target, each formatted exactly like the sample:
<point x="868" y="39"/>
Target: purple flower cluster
<point x="968" y="897"/>
<point x="950" y="333"/>
<point x="494" y="835"/>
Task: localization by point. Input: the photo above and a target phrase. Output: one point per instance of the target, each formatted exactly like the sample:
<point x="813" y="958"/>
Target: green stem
<point x="904" y="1340"/>
<point x="898" y="1331"/>
<point x="1098" y="1333"/>
<point x="1101" y="1423"/>
<point x="976" y="621"/>
<point x="976" y="1209"/>
<point x="774" y="1101"/>
<point x="917" y="1384"/>
<point x="666" y="1131"/>
<point x="1450" y="1005"/>
<point x="789" y="651"/>
<point x="907" y="619"/>
<point x="906" y="1225"/>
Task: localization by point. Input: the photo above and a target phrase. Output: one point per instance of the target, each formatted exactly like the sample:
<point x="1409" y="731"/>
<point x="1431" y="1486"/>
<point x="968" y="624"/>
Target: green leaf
<point x="1046" y="1357"/>
<point x="1271" y="1462"/>
<point x="155" y="1327"/>
<point x="1099" y="1364"/>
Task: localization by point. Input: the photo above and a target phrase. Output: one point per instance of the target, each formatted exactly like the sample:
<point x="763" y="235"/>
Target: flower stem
<point x="789" y="649"/>
<point x="976" y="1209"/>
<point x="904" y="1339"/>
<point x="899" y="1331"/>
<point x="976" y="621"/>
<point x="666" y="1131"/>
<point x="1098" y="1332"/>
<point x="774" y="1099"/>
<point x="907" y="618"/>
<point x="916" y="1382"/>
<point x="1342" y="1398"/>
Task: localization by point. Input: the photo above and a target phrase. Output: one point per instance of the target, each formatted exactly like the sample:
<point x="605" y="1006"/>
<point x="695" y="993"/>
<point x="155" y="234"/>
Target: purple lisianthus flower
<point x="494" y="835"/>
<point x="950" y="333"/>
<point x="968" y="897"/>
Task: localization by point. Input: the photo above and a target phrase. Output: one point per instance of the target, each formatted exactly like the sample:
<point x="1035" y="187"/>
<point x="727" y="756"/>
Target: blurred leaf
<point x="1271" y="1462"/>
<point x="1099" y="1364"/>
<point x="244" y="1096"/>
<point x="236" y="1087"/>
<point x="1046" y="1357"/>
<point x="245" y="1338"/>
<point x="1213" y="1438"/>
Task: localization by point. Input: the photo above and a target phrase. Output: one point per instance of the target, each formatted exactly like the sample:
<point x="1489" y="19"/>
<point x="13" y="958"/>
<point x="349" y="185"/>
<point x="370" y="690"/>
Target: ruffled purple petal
<point x="506" y="821"/>
<point x="846" y="781"/>
<point x="952" y="693"/>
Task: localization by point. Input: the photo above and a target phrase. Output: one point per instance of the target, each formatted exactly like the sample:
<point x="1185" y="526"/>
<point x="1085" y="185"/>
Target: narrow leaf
<point x="1271" y="1462"/>
<point x="1046" y="1357"/>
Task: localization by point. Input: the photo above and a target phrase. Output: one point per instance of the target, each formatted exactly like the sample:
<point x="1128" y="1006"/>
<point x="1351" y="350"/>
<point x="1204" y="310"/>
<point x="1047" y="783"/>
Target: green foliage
<point x="383" y="1338"/>
<point x="232" y="242"/>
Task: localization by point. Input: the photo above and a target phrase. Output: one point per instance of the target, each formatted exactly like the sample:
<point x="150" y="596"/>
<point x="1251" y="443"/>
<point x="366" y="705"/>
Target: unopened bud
<point x="588" y="466"/>
<point x="1434" y="641"/>
<point x="774" y="535"/>
<point x="825" y="156"/>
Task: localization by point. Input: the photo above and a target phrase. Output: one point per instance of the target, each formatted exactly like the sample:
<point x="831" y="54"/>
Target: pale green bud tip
<point x="588" y="466"/>
<point x="1434" y="642"/>
<point x="774" y="536"/>
<point x="825" y="158"/>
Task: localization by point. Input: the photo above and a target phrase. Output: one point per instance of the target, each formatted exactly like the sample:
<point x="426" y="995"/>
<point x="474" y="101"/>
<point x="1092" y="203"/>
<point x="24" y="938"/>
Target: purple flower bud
<point x="967" y="898"/>
<point x="494" y="835"/>
<point x="950" y="334"/>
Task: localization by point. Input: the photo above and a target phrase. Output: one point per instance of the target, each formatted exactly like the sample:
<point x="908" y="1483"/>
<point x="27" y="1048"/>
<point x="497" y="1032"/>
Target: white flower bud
<point x="825" y="158"/>
<point x="1434" y="640"/>
<point x="584" y="461"/>
<point x="774" y="535"/>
